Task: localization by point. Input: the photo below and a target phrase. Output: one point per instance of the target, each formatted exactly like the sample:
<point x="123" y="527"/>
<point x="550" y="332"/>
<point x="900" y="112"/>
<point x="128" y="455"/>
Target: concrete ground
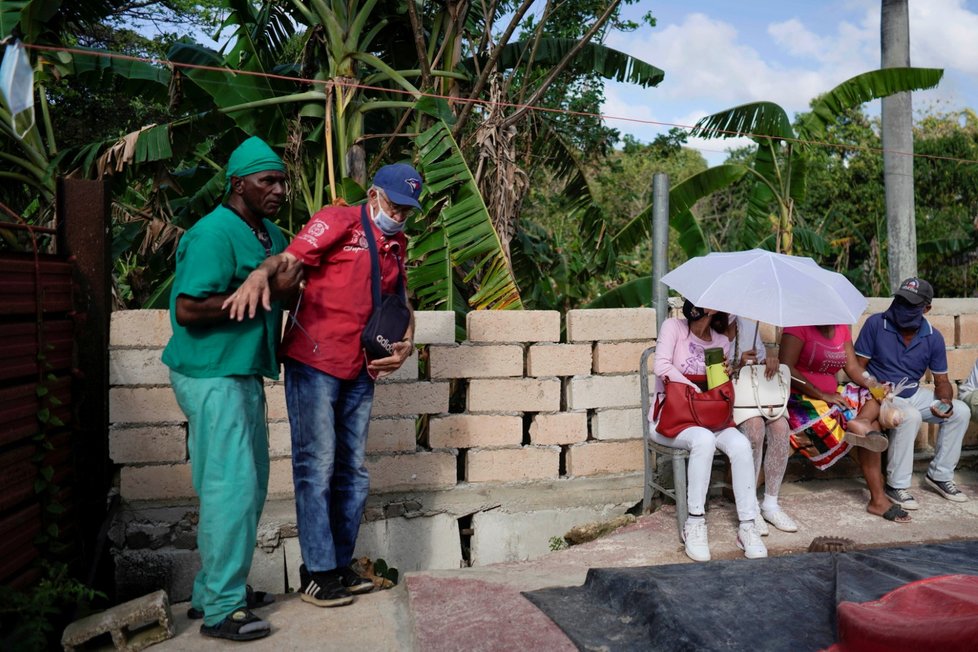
<point x="481" y="609"/>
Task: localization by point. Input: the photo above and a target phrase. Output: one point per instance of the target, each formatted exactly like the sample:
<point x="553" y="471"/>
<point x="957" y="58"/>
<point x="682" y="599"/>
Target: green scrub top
<point x="214" y="257"/>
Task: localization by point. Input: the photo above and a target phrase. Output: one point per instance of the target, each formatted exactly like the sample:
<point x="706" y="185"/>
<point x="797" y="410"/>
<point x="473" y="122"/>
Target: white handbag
<point x="756" y="396"/>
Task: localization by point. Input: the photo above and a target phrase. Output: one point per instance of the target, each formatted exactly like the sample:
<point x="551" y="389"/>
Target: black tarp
<point x="780" y="603"/>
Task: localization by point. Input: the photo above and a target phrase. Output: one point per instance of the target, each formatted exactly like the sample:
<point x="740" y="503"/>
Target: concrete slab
<point x="481" y="608"/>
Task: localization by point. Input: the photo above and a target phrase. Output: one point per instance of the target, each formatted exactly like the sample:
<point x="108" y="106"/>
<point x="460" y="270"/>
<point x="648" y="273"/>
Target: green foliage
<point x="28" y="618"/>
<point x="557" y="543"/>
<point x="381" y="569"/>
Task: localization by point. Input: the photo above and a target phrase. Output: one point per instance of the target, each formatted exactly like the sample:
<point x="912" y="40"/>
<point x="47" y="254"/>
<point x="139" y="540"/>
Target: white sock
<point x="696" y="518"/>
<point x="770" y="503"/>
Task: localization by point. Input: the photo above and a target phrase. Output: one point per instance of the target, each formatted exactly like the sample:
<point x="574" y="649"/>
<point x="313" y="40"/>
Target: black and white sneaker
<point x="323" y="589"/>
<point x="354" y="582"/>
<point x="900" y="497"/>
<point x="946" y="488"/>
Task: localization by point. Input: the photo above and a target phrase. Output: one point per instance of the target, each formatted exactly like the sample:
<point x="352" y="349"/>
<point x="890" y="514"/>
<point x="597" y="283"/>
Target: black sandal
<point x="241" y="625"/>
<point x="896" y="514"/>
<point x="253" y="599"/>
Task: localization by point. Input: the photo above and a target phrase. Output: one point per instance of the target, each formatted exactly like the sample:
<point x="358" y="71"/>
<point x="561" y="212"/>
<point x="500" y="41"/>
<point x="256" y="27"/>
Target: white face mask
<point x="387" y="224"/>
<point x="17" y="84"/>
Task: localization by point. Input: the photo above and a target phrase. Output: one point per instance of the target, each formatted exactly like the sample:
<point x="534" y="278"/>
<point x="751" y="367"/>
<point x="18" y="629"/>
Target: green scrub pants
<point x="228" y="447"/>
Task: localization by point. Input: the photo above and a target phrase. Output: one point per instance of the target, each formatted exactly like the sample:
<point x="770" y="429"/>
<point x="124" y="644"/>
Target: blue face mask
<point x="906" y="316"/>
<point x="387" y="225"/>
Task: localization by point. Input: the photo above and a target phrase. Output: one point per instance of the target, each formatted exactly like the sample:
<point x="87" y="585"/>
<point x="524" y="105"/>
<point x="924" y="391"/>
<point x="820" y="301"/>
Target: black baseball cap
<point x="916" y="291"/>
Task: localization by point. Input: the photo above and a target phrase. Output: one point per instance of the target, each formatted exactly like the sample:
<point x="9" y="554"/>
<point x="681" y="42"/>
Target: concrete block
<point x="603" y="392"/>
<point x="279" y="439"/>
<point x="275" y="401"/>
<point x="134" y="625"/>
<point x="512" y="464"/>
<point x="140" y="328"/>
<point x="620" y="357"/>
<point x="499" y="536"/>
<point x="605" y="457"/>
<point x="955" y="306"/>
<point x="609" y="324"/>
<point x="156" y="482"/>
<point x="391" y="435"/>
<point x="960" y="362"/>
<point x="513" y="326"/>
<point x="556" y="428"/>
<point x="280" y="478"/>
<point x="967" y="330"/>
<point x="407" y="371"/>
<point x="268" y="570"/>
<point x="144" y="405"/>
<point x="558" y="360"/>
<point x="475" y="361"/>
<point x="411" y="472"/>
<point x="475" y="430"/>
<point x="148" y="444"/>
<point x="411" y="544"/>
<point x="946" y="325"/>
<point x="434" y="327"/>
<point x="137" y="367"/>
<point x="402" y="399"/>
<point x="138" y="572"/>
<point x="858" y="326"/>
<point x="617" y="424"/>
<point x="514" y="395"/>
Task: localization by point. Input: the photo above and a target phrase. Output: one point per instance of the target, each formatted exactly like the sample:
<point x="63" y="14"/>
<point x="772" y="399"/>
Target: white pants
<point x="702" y="444"/>
<point x="947" y="451"/>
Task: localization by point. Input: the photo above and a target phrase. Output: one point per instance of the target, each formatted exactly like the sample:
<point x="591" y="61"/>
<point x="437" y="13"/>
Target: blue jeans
<point x="329" y="419"/>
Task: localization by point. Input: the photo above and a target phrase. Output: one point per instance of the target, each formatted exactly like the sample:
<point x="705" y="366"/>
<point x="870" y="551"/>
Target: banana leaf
<point x="602" y="60"/>
<point x="860" y="89"/>
<point x="633" y="294"/>
<point x="754" y="119"/>
<point x="461" y="237"/>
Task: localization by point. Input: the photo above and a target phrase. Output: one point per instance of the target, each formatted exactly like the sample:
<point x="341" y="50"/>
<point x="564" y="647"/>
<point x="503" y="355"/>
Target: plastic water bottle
<point x="877" y="389"/>
<point x="716" y="375"/>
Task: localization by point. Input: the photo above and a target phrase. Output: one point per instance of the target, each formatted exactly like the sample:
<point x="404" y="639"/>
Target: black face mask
<point x="904" y="315"/>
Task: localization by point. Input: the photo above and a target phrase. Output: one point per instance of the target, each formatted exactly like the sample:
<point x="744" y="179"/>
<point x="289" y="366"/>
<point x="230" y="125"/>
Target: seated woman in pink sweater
<point x="680" y="353"/>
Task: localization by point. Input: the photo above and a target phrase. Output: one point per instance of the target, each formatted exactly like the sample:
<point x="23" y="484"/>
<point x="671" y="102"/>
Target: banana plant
<point x="776" y="173"/>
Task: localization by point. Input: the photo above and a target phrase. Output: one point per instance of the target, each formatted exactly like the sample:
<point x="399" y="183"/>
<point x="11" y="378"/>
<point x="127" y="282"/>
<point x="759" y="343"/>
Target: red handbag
<point x="683" y="407"/>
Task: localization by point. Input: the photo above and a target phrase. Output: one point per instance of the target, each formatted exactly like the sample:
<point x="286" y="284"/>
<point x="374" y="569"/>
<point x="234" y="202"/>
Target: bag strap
<point x="375" y="260"/>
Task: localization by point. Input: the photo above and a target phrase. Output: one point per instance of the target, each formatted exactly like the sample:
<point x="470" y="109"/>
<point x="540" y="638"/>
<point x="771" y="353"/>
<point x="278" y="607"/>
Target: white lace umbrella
<point x="769" y="287"/>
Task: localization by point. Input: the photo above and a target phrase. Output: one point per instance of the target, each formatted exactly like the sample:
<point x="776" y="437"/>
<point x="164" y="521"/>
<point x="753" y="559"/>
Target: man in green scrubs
<point x="216" y="369"/>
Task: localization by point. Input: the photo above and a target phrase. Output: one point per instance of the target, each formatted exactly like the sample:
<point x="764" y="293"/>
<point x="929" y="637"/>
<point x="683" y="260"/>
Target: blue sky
<point x="720" y="53"/>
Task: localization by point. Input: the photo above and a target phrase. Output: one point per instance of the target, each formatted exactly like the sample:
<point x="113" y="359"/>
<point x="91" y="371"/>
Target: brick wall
<point x="512" y="404"/>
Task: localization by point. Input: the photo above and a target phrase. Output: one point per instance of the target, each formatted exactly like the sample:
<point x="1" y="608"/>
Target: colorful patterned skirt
<point x="818" y="430"/>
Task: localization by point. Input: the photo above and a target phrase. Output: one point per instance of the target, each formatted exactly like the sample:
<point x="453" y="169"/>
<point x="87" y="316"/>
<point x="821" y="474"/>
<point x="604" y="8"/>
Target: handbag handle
<point x="757" y="394"/>
<point x="375" y="277"/>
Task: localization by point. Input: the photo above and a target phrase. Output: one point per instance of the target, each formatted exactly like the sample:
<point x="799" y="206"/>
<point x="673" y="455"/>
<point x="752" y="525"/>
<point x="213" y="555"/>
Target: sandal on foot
<point x="241" y="625"/>
<point x="874" y="440"/>
<point x="896" y="514"/>
<point x="254" y="600"/>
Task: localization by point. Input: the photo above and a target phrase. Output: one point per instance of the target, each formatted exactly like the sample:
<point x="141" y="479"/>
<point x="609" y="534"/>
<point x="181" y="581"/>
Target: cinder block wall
<point x="514" y="429"/>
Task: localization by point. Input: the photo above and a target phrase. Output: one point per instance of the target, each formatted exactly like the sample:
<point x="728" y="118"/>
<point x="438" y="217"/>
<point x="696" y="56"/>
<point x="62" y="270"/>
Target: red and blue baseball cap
<point x="401" y="183"/>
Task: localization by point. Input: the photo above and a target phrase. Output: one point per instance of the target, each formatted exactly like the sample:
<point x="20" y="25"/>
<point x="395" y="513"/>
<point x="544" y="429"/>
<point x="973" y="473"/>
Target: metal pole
<point x="660" y="246"/>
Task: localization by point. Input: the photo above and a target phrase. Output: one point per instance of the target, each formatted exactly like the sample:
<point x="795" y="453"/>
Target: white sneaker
<point x="779" y="520"/>
<point x="696" y="540"/>
<point x="749" y="540"/>
<point x="761" y="525"/>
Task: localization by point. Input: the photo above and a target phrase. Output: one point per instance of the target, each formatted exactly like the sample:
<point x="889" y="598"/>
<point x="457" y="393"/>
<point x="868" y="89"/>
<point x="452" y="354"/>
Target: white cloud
<point x="715" y="62"/>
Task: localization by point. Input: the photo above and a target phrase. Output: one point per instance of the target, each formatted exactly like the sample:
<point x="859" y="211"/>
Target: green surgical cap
<point x="253" y="155"/>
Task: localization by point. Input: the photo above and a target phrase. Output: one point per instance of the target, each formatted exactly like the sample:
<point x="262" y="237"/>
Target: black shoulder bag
<point x="391" y="316"/>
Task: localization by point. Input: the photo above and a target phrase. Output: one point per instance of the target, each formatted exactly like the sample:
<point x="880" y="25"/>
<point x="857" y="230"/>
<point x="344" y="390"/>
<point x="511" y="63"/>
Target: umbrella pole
<point x="660" y="246"/>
